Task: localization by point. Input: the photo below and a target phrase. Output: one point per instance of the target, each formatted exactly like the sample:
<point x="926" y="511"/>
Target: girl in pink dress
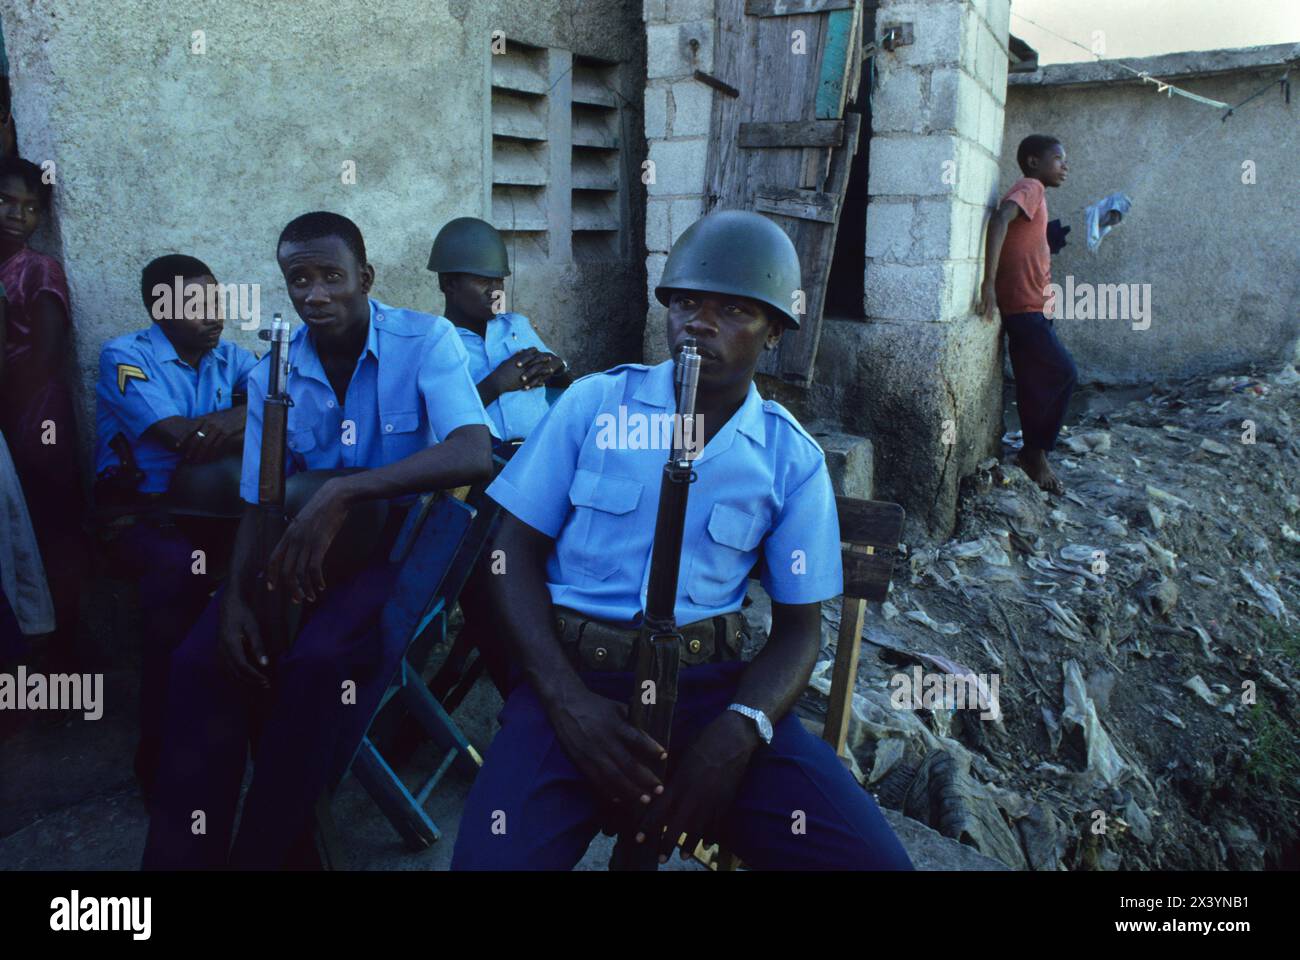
<point x="37" y="412"/>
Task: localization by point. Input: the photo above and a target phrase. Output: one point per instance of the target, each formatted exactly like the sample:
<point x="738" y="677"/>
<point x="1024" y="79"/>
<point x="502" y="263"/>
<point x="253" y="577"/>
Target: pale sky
<point x="1143" y="28"/>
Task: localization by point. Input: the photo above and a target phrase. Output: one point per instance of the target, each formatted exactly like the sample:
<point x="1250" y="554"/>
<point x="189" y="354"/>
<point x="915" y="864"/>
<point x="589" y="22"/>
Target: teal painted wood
<point x="830" y="88"/>
<point x="408" y="818"/>
<point x="435" y="721"/>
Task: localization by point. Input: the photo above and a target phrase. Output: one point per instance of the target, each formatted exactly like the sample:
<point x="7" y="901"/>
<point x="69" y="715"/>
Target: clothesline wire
<point x="1146" y="76"/>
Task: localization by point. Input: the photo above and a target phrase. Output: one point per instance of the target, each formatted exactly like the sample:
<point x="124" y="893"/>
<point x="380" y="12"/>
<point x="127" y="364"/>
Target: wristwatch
<point x="760" y="720"/>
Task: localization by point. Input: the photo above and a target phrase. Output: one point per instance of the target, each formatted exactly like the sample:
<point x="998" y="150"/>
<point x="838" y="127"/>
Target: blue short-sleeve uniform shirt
<point x="514" y="414"/>
<point x="143" y="381"/>
<point x="410" y="390"/>
<point x="589" y="477"/>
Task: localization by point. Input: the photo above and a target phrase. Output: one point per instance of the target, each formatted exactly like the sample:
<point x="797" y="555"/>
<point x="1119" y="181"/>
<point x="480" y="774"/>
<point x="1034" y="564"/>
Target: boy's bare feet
<point x="1034" y="463"/>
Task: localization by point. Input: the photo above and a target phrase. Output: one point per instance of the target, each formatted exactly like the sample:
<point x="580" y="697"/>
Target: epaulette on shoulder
<point x="774" y="409"/>
<point x="401" y="322"/>
<point x="128" y="342"/>
<point x="612" y="371"/>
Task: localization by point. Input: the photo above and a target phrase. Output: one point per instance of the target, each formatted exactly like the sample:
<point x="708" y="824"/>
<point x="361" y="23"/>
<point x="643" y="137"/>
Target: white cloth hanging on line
<point x="1097" y="212"/>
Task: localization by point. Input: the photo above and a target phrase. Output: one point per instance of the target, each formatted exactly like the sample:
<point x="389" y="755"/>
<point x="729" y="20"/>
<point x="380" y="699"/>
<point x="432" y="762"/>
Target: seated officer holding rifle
<point x="581" y="520"/>
<point x="385" y="394"/>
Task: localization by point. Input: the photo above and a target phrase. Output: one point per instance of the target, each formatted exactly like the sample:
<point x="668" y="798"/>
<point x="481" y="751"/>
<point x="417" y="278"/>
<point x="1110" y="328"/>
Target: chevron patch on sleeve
<point x="128" y="371"/>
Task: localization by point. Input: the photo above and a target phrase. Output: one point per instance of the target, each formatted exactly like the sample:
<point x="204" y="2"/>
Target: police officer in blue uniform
<point x="168" y="395"/>
<point x="581" y="496"/>
<point x="512" y="368"/>
<point x="373" y="387"/>
<point x="507" y="359"/>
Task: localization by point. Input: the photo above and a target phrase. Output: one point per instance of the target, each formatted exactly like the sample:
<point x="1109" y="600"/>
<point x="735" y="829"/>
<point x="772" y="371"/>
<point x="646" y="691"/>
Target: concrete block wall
<point x="922" y="367"/>
<point x="936" y="140"/>
<point x="921" y="376"/>
<point x="678" y="114"/>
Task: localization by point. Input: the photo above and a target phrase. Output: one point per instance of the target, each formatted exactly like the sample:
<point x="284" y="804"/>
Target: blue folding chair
<point x="435" y="550"/>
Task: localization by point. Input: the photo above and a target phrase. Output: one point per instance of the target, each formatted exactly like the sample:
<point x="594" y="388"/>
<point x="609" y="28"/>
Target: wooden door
<point x="783" y="144"/>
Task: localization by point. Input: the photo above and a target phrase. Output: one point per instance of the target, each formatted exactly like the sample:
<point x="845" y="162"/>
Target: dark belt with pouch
<point x="596" y="645"/>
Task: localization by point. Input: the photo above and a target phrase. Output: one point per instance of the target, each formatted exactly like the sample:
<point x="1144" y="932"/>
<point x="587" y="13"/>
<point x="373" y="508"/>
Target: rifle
<point x="271" y="606"/>
<point x="658" y="648"/>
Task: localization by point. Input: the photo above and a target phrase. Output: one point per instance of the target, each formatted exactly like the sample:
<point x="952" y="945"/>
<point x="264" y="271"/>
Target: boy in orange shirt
<point x="1017" y="276"/>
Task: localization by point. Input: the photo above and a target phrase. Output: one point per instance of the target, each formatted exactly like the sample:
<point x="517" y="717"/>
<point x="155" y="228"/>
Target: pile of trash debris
<point x="1139" y="638"/>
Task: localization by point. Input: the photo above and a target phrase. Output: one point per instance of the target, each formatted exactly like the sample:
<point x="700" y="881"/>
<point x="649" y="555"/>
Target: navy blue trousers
<point x="551" y="813"/>
<point x="301" y="727"/>
<point x="1045" y="377"/>
<point x="172" y="595"/>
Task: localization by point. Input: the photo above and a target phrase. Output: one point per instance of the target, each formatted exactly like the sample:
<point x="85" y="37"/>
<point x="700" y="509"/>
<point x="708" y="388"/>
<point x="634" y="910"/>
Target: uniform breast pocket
<point x="301" y="443"/>
<point x="724" y="554"/>
<point x="600" y="525"/>
<point x="399" y="430"/>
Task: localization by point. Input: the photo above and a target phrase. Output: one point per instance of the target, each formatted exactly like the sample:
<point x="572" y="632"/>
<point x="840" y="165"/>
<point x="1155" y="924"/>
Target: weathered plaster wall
<point x="1220" y="254"/>
<point x="160" y="149"/>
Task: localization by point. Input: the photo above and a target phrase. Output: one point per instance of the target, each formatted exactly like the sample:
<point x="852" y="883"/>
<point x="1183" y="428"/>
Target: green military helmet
<point x="469" y="245"/>
<point x="737" y="252"/>
<point x="206" y="489"/>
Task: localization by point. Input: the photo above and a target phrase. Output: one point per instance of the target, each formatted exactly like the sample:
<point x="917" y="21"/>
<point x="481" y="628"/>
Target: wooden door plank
<point x="797" y="133"/>
<point x="816" y="245"/>
<point x="836" y="65"/>
<point x="800" y="204"/>
<point x="787" y="8"/>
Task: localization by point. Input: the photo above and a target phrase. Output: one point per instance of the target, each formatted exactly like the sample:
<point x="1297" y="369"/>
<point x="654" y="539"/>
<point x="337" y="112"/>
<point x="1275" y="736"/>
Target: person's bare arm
<point x="525" y="370"/>
<point x="297" y="564"/>
<point x="49" y="338"/>
<point x="240" y="645"/>
<point x="997" y="233"/>
<point x="615" y="757"/>
<point x="223" y="434"/>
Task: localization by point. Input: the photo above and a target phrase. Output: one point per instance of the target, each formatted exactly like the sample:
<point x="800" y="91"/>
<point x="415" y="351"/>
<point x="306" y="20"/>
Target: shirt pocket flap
<point x="616" y="495"/>
<point x="300" y="441"/>
<point x="734" y="528"/>
<point x="401" y="421"/>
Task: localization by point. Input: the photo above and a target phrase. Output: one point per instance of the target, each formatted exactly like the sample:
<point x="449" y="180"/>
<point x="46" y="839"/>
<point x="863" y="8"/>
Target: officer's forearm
<point x="243" y="559"/>
<point x="171" y="432"/>
<point x="464" y="458"/>
<point x="776" y="678"/>
<point x="528" y="615"/>
<point x="487" y="392"/>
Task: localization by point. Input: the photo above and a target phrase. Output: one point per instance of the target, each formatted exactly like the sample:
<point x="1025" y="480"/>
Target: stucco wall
<point x="158" y="148"/>
<point x="1220" y="254"/>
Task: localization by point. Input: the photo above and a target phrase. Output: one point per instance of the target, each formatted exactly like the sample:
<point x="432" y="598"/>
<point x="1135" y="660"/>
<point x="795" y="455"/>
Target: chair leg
<point x="436" y="723"/>
<point x="844" y="674"/>
<point x="386" y="788"/>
